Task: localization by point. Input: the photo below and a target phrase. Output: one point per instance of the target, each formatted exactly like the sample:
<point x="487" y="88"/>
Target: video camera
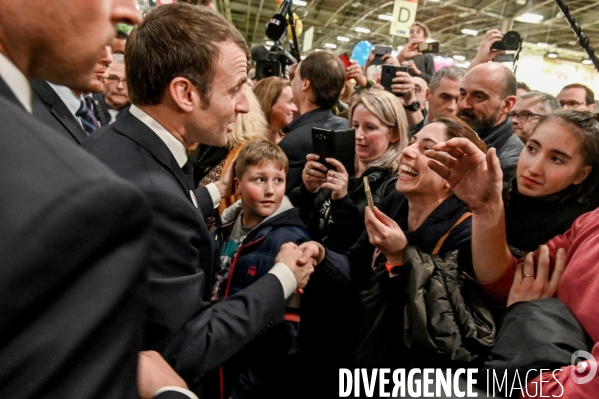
<point x="271" y="62"/>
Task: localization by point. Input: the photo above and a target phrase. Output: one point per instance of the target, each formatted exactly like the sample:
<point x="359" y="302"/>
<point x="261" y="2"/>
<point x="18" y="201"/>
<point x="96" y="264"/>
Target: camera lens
<point x="511" y="40"/>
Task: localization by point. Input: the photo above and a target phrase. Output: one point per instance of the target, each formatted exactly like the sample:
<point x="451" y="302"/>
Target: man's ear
<point x="306" y="85"/>
<point x="507" y="104"/>
<point x="184" y="94"/>
<point x="236" y="184"/>
<point x="428" y="94"/>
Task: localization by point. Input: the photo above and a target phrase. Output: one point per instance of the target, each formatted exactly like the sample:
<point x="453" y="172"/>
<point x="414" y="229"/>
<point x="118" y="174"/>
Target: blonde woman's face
<point x="372" y="135"/>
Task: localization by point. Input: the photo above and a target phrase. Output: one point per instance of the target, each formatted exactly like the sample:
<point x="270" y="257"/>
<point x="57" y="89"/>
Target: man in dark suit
<point x="62" y="107"/>
<point x="316" y="86"/>
<point x="73" y="237"/>
<point x="195" y="95"/>
<point x="114" y="98"/>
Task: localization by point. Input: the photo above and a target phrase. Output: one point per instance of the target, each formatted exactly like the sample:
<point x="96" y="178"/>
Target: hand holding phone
<point x="388" y="73"/>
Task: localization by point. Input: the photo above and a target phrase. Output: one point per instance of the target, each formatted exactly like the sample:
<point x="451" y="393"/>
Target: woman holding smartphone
<point x="332" y="202"/>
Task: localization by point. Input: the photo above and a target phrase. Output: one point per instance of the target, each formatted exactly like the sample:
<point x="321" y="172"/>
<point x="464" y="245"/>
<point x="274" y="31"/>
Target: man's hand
<point x="408" y="51"/>
<point x="153" y="373"/>
<point x="484" y="53"/>
<point x="528" y="285"/>
<point x="292" y="256"/>
<point x="474" y="177"/>
<point x="354" y="71"/>
<point x="403" y="85"/>
<point x="413" y="68"/>
<point x="385" y="234"/>
<point x="313" y="252"/>
<point x="225" y="183"/>
<point x="390" y="60"/>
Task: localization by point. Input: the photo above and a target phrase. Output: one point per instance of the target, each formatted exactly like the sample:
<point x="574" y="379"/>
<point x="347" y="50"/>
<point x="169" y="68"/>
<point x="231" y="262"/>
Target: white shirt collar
<point x="16" y="81"/>
<point x="69" y="98"/>
<point x="175" y="146"/>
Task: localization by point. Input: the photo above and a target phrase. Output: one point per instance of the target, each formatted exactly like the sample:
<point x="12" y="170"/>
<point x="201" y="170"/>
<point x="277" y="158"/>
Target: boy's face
<point x="262" y="188"/>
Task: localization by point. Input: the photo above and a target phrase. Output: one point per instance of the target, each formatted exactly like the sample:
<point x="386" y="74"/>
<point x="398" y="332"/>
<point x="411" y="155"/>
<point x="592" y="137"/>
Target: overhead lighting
<point x="302" y="57"/>
<point x="330" y="45"/>
<point x="269" y="43"/>
<point x="299" y="3"/>
<point x="434" y="1"/>
<point x="362" y="30"/>
<point x="542" y="45"/>
<point x="470" y="32"/>
<point x="528" y="17"/>
<point x="343" y="38"/>
<point x="318" y="49"/>
<point x="587" y="62"/>
<point x="459" y="57"/>
<point x="399" y="48"/>
<point x="552" y="55"/>
<point x="386" y="17"/>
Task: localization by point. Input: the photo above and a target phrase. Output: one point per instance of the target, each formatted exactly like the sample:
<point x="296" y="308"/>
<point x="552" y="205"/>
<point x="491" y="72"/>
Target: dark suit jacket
<point x="193" y="336"/>
<point x="298" y="143"/>
<point x="101" y="109"/>
<point x="50" y="109"/>
<point x="73" y="255"/>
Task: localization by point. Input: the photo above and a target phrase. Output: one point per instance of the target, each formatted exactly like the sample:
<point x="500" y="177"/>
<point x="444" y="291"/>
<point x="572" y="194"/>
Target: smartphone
<point x="428" y="47"/>
<point x="379" y="52"/>
<point x="338" y="144"/>
<point x="388" y="73"/>
<point x="368" y="192"/>
<point x="346" y="61"/>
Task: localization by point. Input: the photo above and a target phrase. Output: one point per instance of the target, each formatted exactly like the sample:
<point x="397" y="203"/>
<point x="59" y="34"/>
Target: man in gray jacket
<point x="487" y="96"/>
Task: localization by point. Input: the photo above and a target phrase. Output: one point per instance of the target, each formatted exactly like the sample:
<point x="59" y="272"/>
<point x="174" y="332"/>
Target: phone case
<point x="388" y="73"/>
<point x="338" y="144"/>
<point x="368" y="192"/>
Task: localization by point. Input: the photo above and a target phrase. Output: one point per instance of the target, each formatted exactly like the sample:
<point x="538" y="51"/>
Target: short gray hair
<point x="449" y="72"/>
<point x="550" y="103"/>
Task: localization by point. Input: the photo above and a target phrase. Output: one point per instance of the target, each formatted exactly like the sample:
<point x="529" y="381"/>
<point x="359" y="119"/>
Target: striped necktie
<point x="88" y="121"/>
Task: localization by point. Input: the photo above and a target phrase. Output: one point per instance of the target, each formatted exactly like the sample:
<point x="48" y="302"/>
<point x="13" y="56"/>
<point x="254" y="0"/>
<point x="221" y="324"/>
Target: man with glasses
<point x="528" y="110"/>
<point x="578" y="97"/>
<point x="115" y="98"/>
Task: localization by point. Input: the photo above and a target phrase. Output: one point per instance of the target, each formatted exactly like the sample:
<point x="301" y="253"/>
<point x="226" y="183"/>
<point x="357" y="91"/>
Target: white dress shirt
<point x="16" y="81"/>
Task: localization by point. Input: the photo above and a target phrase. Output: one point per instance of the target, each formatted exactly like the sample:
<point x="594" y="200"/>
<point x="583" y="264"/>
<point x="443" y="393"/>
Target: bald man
<point x="487" y="96"/>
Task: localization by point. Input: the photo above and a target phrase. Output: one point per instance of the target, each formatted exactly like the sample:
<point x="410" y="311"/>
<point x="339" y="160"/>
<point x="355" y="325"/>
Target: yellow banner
<point x="404" y="15"/>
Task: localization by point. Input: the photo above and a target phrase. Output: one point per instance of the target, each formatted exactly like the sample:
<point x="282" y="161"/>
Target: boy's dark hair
<point x="176" y="40"/>
<point x="326" y="74"/>
<point x="259" y="151"/>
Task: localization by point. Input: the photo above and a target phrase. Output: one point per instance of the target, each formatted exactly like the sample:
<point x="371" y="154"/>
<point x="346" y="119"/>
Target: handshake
<point x="301" y="259"/>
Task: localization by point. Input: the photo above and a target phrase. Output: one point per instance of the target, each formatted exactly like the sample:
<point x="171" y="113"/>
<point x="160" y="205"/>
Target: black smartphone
<point x="388" y="73"/>
<point x="338" y="144"/>
<point x="428" y="47"/>
<point x="379" y="52"/>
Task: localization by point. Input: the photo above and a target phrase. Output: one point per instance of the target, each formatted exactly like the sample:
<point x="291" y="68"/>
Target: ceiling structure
<point x="445" y="19"/>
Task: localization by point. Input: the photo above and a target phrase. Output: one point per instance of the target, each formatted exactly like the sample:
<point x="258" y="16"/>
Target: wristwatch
<point x="415" y="106"/>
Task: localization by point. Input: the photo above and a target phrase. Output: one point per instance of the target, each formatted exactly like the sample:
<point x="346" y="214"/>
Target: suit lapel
<point x="58" y="109"/>
<point x="100" y="109"/>
<point x="136" y="130"/>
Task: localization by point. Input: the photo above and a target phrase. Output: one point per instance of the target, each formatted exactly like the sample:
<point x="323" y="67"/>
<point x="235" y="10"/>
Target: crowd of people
<point x="168" y="230"/>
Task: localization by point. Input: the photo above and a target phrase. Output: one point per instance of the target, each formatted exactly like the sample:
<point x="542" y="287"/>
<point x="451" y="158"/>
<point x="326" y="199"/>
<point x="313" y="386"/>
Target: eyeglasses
<point x="116" y="80"/>
<point x="523" y="116"/>
<point x="571" y="104"/>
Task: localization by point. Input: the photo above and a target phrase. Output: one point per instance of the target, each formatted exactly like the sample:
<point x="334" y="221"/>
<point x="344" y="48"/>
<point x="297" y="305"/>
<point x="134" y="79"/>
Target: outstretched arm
<point x="476" y="179"/>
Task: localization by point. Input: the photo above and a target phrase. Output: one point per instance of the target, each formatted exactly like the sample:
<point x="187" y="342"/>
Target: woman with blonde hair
<point x="276" y="101"/>
<point x="248" y="127"/>
<point x="332" y="203"/>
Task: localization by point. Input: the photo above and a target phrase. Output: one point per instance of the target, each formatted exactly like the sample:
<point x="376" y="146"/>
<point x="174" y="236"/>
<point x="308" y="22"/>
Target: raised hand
<point x="474" y="177"/>
<point x="354" y="71"/>
<point x="314" y="173"/>
<point x="385" y="234"/>
<point x="336" y="181"/>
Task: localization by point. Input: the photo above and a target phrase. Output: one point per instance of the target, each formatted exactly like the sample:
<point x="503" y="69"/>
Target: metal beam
<point x="257" y="21"/>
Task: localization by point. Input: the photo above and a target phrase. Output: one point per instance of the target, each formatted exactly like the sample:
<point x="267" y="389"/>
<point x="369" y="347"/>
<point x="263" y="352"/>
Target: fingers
<point x="386" y="220"/>
<point x="542" y="273"/>
<point x="439" y="169"/>
<point x="494" y="166"/>
<point x="338" y="165"/>
<point x="442" y="157"/>
<point x="465" y="145"/>
<point x="528" y="269"/>
<point x="518" y="274"/>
